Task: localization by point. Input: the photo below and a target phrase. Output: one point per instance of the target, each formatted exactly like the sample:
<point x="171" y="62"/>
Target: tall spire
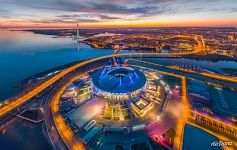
<point x="78" y="34"/>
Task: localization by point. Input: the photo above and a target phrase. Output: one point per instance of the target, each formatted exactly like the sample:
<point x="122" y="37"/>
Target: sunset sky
<point x="116" y="13"/>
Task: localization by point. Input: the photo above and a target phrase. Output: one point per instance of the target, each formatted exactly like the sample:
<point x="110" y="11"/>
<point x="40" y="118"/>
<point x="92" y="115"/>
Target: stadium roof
<point x="118" y="80"/>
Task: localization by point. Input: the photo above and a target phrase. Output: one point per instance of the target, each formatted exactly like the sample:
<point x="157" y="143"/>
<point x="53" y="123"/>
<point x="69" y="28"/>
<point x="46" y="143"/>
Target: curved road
<point x="14" y="103"/>
<point x="65" y="132"/>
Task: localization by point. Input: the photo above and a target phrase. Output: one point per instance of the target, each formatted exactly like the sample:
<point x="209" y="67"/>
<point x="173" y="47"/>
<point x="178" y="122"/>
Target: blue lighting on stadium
<point x="103" y="72"/>
<point x="118" y="79"/>
<point x="136" y="75"/>
<point x="130" y="78"/>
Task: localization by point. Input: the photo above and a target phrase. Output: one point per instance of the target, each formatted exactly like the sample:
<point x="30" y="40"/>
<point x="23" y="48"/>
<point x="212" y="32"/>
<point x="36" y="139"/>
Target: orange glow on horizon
<point x="8" y="24"/>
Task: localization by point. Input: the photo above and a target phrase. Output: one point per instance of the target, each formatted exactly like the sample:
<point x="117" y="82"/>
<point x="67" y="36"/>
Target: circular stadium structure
<point x="118" y="83"/>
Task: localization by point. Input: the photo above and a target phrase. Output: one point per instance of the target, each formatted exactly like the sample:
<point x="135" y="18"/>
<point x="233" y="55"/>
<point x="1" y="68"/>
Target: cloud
<point x="94" y="17"/>
<point x="53" y="21"/>
<point x="83" y="18"/>
<point x="128" y="7"/>
<point x="4" y="13"/>
<point x="94" y="11"/>
<point x="80" y="16"/>
<point x="233" y="10"/>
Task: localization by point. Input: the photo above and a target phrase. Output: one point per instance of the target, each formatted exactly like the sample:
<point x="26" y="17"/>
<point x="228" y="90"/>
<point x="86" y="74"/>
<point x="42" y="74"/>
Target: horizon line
<point x="112" y="27"/>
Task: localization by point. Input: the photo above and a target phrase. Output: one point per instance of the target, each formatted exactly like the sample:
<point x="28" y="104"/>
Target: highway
<point x="178" y="141"/>
<point x="64" y="130"/>
<point x="17" y="101"/>
<point x="203" y="76"/>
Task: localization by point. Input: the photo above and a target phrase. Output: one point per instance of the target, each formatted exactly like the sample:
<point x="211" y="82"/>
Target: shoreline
<point x="25" y="82"/>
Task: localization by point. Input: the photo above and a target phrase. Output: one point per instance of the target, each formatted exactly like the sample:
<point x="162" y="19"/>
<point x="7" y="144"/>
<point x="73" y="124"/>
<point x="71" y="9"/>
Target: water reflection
<point x="23" y="54"/>
<point x="23" y="136"/>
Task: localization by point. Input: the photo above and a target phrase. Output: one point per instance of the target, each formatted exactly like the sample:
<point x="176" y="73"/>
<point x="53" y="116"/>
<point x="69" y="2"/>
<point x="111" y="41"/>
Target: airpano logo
<point x="221" y="143"/>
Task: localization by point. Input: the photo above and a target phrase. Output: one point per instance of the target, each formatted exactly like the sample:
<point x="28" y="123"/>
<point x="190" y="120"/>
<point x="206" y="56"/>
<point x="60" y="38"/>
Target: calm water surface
<point x="24" y="137"/>
<point x="197" y="139"/>
<point x="23" y="54"/>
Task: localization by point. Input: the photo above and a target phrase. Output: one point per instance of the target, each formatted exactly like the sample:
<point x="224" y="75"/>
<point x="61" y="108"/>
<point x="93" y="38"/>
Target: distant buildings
<point x="221" y="41"/>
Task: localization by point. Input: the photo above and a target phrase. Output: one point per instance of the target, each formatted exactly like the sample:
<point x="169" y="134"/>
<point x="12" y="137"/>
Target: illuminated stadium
<point x="118" y="99"/>
<point x="118" y="83"/>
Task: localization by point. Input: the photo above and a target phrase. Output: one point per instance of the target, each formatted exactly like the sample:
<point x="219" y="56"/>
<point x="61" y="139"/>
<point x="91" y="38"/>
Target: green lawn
<point x="126" y="114"/>
<point x="116" y="113"/>
<point x="108" y="112"/>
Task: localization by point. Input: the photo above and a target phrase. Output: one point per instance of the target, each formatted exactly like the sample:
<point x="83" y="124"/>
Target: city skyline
<point x="109" y="14"/>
